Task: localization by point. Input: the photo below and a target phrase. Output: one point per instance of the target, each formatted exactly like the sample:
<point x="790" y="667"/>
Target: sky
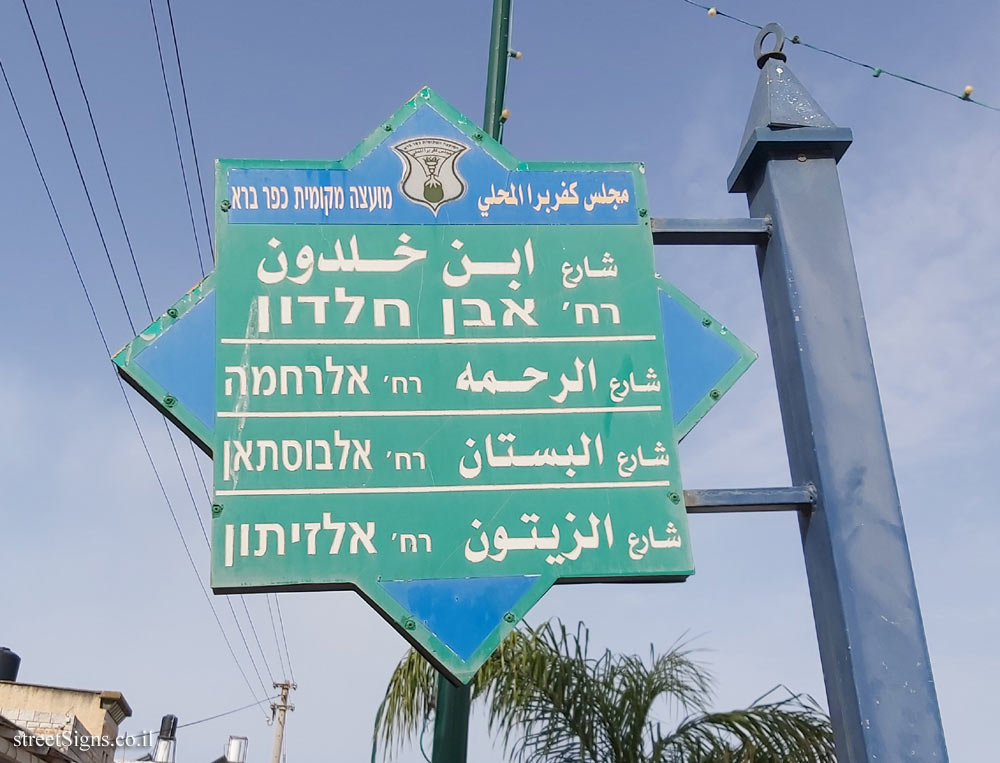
<point x="97" y="591"/>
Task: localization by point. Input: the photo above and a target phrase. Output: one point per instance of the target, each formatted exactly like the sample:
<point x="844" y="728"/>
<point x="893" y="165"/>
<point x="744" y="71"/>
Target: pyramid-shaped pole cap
<point x="783" y="116"/>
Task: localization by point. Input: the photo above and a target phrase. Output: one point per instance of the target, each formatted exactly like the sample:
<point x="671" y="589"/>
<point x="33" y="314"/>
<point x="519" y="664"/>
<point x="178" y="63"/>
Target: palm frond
<point x="788" y="731"/>
<point x="560" y="700"/>
<point x="549" y="703"/>
<point x="408" y="702"/>
<point x="549" y="700"/>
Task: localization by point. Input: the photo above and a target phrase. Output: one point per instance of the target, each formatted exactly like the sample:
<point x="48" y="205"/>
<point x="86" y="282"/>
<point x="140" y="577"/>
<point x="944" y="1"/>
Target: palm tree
<point x="548" y="700"/>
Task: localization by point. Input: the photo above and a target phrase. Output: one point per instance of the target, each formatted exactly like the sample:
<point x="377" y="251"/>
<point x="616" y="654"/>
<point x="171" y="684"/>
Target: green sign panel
<point x="436" y="365"/>
<point x="438" y="376"/>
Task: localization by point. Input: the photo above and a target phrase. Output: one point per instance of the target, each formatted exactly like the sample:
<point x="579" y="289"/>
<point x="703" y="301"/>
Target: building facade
<point x="62" y="724"/>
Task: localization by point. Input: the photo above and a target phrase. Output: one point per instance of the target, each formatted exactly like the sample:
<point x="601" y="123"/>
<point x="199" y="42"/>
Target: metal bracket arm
<point x="678" y="231"/>
<point x="738" y="500"/>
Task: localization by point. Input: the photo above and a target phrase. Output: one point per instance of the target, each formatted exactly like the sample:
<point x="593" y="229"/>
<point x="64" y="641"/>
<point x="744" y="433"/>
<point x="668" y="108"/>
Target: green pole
<point x="451" y="716"/>
<point x="496" y="77"/>
<point x="451" y="722"/>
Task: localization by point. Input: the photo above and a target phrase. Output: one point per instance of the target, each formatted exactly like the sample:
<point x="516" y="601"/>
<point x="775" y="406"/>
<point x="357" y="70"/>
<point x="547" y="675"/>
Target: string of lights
<point x="876" y="71"/>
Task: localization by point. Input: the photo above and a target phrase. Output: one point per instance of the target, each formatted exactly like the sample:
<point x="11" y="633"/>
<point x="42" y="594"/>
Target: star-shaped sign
<point x="440" y="377"/>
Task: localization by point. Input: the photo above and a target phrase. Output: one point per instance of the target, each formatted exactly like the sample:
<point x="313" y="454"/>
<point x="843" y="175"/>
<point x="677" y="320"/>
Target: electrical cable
<point x="253" y="628"/>
<point x="187" y="112"/>
<point x="204" y="535"/>
<point x="246" y="645"/>
<point x="228" y="712"/>
<point x="208" y="545"/>
<point x="76" y="161"/>
<point x="123" y="300"/>
<point x="152" y="733"/>
<point x="201" y="473"/>
<point x="170" y="436"/>
<point x="274" y="630"/>
<point x="257" y="639"/>
<point x="177" y="140"/>
<point x="121" y="219"/>
<point x="876" y="71"/>
<point x="104" y="161"/>
<point x="187" y="483"/>
<point x="281" y="622"/>
<point x="104" y="342"/>
<point x="197" y="170"/>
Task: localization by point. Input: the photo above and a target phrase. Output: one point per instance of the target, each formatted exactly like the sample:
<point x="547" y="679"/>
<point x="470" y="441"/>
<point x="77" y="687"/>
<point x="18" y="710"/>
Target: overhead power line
<point x="121" y="295"/>
<point x="877" y="71"/>
<point x="281" y="622"/>
<point x="79" y="170"/>
<point x="128" y="404"/>
<point x="187" y="113"/>
<point x="104" y="161"/>
<point x="253" y="630"/>
<point x="177" y="140"/>
<point x="274" y="630"/>
<point x="170" y="435"/>
<point x="152" y="733"/>
<point x="208" y="545"/>
<point x="208" y="233"/>
<point x="228" y="712"/>
<point x="142" y="286"/>
<point x="243" y="600"/>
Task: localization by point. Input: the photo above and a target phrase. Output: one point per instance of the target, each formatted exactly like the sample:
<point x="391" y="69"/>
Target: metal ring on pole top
<point x="763" y="56"/>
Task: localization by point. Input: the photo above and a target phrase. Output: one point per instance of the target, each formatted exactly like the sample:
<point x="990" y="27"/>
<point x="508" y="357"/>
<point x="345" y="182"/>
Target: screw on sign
<point x="436" y="375"/>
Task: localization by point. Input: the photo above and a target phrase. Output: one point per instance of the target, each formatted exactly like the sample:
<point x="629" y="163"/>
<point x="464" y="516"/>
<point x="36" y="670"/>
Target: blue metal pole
<point x="871" y="637"/>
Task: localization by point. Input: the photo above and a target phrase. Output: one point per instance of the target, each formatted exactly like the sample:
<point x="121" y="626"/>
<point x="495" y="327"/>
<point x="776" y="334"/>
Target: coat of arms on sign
<point x="430" y="176"/>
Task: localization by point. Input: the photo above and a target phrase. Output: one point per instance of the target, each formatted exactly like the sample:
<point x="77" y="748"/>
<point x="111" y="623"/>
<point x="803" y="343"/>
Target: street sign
<point x="439" y="379"/>
<point x="377" y="234"/>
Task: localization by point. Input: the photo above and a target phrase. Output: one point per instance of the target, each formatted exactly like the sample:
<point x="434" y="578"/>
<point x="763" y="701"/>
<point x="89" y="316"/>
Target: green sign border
<point x="710" y="323"/>
<point x="162" y="399"/>
<point x="409" y="626"/>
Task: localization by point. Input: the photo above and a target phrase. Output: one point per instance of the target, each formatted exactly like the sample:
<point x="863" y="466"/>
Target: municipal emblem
<point x="430" y="176"/>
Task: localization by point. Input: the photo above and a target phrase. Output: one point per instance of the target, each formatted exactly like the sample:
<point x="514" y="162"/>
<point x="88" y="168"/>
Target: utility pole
<point x="278" y="709"/>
